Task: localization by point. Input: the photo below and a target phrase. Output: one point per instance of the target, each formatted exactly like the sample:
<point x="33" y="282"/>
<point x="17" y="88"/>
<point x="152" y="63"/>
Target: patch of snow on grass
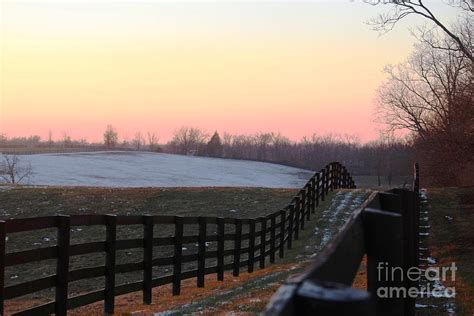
<point x="344" y="200"/>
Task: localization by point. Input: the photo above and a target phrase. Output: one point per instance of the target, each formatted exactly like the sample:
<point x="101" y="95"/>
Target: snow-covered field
<point x="143" y="169"/>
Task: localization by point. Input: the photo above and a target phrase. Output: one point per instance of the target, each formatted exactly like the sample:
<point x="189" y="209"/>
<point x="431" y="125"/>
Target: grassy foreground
<point x="451" y="239"/>
<point x="227" y="202"/>
<point x="40" y="201"/>
<point x="248" y="293"/>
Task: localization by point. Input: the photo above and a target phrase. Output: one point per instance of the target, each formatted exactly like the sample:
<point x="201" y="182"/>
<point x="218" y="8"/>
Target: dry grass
<point x="247" y="294"/>
<point x="451" y="239"/>
<point x="163" y="299"/>
<point x="40" y="201"/>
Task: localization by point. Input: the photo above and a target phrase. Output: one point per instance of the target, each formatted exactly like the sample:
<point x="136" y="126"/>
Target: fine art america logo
<point x="435" y="277"/>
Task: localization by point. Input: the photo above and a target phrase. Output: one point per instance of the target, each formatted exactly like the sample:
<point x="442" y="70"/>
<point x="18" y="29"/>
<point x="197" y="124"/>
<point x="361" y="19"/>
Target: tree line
<point x="386" y="157"/>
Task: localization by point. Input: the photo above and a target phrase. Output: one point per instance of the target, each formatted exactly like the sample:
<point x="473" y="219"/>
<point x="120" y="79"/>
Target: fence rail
<point x="274" y="234"/>
<point x="385" y="229"/>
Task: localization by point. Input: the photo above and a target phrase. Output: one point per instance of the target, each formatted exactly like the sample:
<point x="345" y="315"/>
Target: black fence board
<point x="39" y="254"/>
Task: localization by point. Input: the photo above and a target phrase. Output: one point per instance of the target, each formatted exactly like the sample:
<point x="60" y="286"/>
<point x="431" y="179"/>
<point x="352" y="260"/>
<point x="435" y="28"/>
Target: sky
<point x="298" y="68"/>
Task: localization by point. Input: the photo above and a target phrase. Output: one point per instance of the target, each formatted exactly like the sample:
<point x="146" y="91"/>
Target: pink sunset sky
<point x="296" y="68"/>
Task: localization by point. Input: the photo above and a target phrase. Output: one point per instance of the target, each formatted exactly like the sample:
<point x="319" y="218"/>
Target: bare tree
<point x="423" y="94"/>
<point x="227" y="144"/>
<point x="138" y="140"/>
<point x="82" y="142"/>
<point x="12" y="170"/>
<point x="243" y="147"/>
<point x="263" y="142"/>
<point x="188" y="140"/>
<point x="110" y="137"/>
<point x="125" y="143"/>
<point x="66" y="139"/>
<point x="432" y="94"/>
<point x="152" y="141"/>
<point x="403" y="8"/>
<point x="351" y="140"/>
<point x="50" y="139"/>
<point x="281" y="145"/>
<point x="3" y="139"/>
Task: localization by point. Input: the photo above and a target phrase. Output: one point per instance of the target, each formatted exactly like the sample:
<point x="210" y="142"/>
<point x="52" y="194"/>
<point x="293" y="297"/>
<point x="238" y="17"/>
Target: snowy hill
<point x="143" y="169"/>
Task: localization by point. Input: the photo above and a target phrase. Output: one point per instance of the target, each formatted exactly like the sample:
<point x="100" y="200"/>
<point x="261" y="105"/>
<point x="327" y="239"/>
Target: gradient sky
<point x="242" y="67"/>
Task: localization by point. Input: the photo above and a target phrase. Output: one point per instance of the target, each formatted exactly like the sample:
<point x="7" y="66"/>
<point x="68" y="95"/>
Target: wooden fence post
<point x="323" y="182"/>
<point x="416" y="210"/>
<point x="416" y="180"/>
<point x="237" y="246"/>
<point x="410" y="202"/>
<point x="302" y="208"/>
<point x="62" y="264"/>
<point x="339" y="176"/>
<point x="147" y="258"/>
<point x="384" y="253"/>
<point x="327" y="180"/>
<point x="313" y="195"/>
<point x="201" y="251"/>
<point x="290" y="225"/>
<point x="308" y="201"/>
<point x="318" y="188"/>
<point x="334" y="175"/>
<point x="3" y="238"/>
<point x="110" y="242"/>
<point x="344" y="177"/>
<point x="220" y="248"/>
<point x="297" y="217"/>
<point x="251" y="256"/>
<point x="281" y="246"/>
<point x="331" y="176"/>
<point x="347" y="179"/>
<point x="178" y="251"/>
<point x="410" y="241"/>
<point x="263" y="239"/>
<point x="272" y="238"/>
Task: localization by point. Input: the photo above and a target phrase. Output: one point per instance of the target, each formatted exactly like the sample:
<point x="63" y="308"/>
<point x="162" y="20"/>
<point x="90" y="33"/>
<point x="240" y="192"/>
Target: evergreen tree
<point x="214" y="146"/>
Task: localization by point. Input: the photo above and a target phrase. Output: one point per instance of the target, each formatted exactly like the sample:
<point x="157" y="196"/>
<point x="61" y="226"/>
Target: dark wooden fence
<point x="276" y="232"/>
<point x="386" y="229"/>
